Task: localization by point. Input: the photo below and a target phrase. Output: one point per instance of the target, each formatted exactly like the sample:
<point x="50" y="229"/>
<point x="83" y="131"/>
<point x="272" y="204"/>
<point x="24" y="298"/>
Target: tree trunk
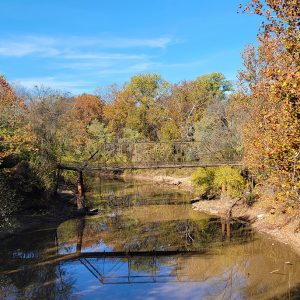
<point x="224" y="193"/>
<point x="81" y="205"/>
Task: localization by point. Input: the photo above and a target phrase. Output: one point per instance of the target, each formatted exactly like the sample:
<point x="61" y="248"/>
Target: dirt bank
<point x="283" y="227"/>
<point x="180" y="179"/>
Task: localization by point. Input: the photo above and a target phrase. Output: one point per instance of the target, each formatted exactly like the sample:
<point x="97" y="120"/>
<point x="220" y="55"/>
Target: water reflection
<point x="147" y="251"/>
<point x="23" y="275"/>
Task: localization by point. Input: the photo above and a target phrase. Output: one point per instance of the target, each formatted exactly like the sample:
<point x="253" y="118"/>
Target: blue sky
<point x="77" y="45"/>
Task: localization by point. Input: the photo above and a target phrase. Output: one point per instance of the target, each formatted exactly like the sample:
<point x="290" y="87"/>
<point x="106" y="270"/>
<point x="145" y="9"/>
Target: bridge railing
<point x="151" y="154"/>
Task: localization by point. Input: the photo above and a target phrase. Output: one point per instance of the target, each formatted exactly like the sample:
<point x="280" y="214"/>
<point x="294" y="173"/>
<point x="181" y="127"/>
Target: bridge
<point x="120" y="268"/>
<point x="152" y="155"/>
<point x="121" y="156"/>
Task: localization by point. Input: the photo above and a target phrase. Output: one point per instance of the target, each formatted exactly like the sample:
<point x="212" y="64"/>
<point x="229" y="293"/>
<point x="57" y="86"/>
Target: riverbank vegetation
<point x="212" y="182"/>
<point x="257" y="121"/>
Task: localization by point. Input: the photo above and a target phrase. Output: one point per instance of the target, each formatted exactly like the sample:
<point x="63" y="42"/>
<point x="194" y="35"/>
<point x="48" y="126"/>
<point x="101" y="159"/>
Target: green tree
<point x="139" y="106"/>
<point x="189" y="100"/>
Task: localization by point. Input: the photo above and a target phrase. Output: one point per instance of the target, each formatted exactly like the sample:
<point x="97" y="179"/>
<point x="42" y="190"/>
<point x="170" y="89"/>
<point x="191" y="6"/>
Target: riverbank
<point x="179" y="178"/>
<point x="284" y="228"/>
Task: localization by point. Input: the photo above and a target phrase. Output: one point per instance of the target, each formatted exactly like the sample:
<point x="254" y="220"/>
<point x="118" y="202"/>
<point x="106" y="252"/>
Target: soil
<point x="182" y="182"/>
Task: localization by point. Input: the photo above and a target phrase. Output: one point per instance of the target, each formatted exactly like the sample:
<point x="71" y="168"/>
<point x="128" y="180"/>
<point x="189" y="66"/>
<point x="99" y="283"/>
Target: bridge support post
<point x="80" y="201"/>
<point x="80" y="229"/>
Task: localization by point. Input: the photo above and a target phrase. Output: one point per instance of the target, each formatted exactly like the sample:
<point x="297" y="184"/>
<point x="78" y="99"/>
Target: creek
<point x="146" y="243"/>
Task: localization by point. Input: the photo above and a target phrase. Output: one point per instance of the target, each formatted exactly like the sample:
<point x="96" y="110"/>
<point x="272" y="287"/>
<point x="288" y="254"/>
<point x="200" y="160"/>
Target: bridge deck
<point x="77" y="166"/>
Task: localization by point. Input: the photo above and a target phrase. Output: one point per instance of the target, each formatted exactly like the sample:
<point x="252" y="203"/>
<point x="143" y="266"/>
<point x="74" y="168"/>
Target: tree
<point x="189" y="99"/>
<point x="218" y="130"/>
<point x="87" y="108"/>
<point x="139" y="106"/>
<point x="270" y="93"/>
<point x="84" y="111"/>
<point x="46" y="117"/>
<point x="14" y="137"/>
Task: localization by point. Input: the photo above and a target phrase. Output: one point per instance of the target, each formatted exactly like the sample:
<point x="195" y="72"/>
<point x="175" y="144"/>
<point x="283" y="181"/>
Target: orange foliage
<point x="271" y="96"/>
<point x="13" y="132"/>
<point x="85" y="109"/>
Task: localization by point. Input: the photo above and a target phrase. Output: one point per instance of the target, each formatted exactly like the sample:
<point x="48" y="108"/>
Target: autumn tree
<point x="219" y="132"/>
<point x="138" y="107"/>
<point x="85" y="112"/>
<point x="270" y="94"/>
<point x="46" y="110"/>
<point x="189" y="100"/>
<point x="14" y="137"/>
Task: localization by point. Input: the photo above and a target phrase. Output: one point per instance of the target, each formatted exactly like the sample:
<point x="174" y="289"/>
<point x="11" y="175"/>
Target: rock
<point x="260" y="216"/>
<point x="176" y="182"/>
<point x="92" y="212"/>
<point x="195" y="200"/>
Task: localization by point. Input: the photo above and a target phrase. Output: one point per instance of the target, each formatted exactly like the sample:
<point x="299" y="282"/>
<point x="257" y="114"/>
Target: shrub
<point x="214" y="180"/>
<point x="202" y="179"/>
<point x="229" y="180"/>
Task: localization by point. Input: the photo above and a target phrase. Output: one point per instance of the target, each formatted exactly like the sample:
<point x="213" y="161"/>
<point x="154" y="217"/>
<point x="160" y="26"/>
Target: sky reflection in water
<point x="88" y="258"/>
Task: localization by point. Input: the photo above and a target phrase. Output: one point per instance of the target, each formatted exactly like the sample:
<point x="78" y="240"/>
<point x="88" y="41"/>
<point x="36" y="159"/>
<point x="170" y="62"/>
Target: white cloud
<point x="119" y="42"/>
<point x="67" y="84"/>
<point x="90" y="61"/>
<point x="76" y="47"/>
<point x="21" y="49"/>
<point x="106" y="56"/>
<point x="79" y="64"/>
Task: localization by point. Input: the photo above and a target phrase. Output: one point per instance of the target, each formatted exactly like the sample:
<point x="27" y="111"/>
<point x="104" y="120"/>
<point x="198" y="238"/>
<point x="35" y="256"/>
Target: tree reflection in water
<point x="201" y="256"/>
<point x="24" y="273"/>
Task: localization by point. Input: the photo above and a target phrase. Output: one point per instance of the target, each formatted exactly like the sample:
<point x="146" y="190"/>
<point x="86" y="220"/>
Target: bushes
<point x="203" y="180"/>
<point x="229" y="180"/>
<point x="214" y="181"/>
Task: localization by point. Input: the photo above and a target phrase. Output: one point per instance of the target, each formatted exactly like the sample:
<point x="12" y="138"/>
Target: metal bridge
<point x="153" y="155"/>
<point x="117" y="157"/>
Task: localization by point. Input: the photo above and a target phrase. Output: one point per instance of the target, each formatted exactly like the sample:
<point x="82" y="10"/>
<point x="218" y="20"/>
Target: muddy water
<point x="146" y="243"/>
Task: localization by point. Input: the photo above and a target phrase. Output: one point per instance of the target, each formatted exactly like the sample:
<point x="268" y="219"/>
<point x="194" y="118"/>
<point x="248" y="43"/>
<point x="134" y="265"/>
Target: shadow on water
<point x="147" y="251"/>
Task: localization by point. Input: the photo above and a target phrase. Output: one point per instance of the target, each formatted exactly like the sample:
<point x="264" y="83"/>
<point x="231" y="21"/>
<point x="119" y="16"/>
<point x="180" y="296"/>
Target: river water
<point x="146" y="243"/>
